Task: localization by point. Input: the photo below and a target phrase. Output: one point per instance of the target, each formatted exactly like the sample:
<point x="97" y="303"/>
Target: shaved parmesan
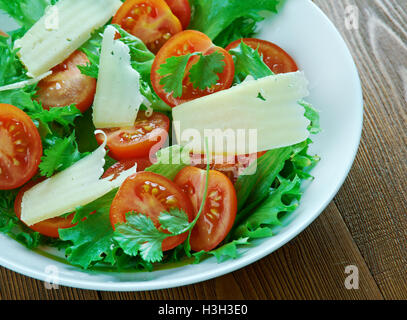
<point x="25" y="83"/>
<point x="118" y="96"/>
<point x="257" y="115"/>
<point x="63" y="29"/>
<point x="71" y="188"/>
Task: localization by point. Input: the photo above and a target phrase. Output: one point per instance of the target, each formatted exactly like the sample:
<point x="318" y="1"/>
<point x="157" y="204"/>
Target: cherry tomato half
<point x="183" y="43"/>
<point x="150" y="194"/>
<point x="48" y="227"/>
<point x="139" y="140"/>
<point x="220" y="208"/>
<point x="20" y="147"/>
<point x="274" y="57"/>
<point x="67" y="85"/>
<point x="182" y="10"/>
<point x="150" y="20"/>
<point x="121" y="166"/>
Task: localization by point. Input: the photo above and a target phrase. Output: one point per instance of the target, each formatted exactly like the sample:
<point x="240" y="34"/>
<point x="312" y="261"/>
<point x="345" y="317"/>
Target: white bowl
<point x="307" y="34"/>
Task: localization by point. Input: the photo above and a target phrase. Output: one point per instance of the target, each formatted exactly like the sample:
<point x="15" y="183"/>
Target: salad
<point x="110" y="118"/>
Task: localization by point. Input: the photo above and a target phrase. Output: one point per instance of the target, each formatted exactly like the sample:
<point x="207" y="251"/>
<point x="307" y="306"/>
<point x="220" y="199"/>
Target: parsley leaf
<point x="60" y="154"/>
<point x="214" y="16"/>
<point x="204" y="73"/>
<point x="92" y="240"/>
<point x="65" y="116"/>
<point x="173" y="71"/>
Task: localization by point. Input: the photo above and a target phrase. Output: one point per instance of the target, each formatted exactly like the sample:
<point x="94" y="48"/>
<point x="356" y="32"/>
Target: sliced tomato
<point x="231" y="170"/>
<point x="48" y="227"/>
<point x="150" y="20"/>
<point x="274" y="57"/>
<point x="220" y="208"/>
<point x="121" y="166"/>
<point x="150" y="194"/>
<point x="67" y="85"/>
<point x="20" y="147"/>
<point x="138" y="141"/>
<point x="183" y="43"/>
<point x="182" y="10"/>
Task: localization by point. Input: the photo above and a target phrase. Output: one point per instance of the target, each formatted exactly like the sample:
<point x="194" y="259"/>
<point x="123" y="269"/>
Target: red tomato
<point x="137" y="141"/>
<point x="48" y="227"/>
<point x="150" y="20"/>
<point x="274" y="57"/>
<point x="220" y="208"/>
<point x="119" y="167"/>
<point x="67" y="85"/>
<point x="150" y="194"/>
<point x="185" y="42"/>
<point x="20" y="147"/>
<point x="182" y="10"/>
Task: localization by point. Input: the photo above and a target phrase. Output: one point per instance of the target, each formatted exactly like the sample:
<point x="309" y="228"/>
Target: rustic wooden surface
<point x="365" y="225"/>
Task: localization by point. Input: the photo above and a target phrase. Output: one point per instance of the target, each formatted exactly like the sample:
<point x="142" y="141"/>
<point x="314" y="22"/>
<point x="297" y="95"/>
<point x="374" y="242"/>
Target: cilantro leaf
<point x="173" y="71"/>
<point x="204" y="73"/>
<point x="92" y="240"/>
<point x="65" y="116"/>
<point x="170" y="161"/>
<point x="176" y="221"/>
<point x="60" y="154"/>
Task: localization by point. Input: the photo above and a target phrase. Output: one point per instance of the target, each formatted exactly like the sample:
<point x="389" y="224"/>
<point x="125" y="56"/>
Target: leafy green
<point x="203" y="73"/>
<point x="25" y="12"/>
<point x="248" y="61"/>
<point x="60" y="154"/>
<point x="283" y="199"/>
<point x="170" y="161"/>
<point x="244" y="27"/>
<point x="173" y="71"/>
<point x="139" y="233"/>
<point x="313" y="115"/>
<point x="225" y="252"/>
<point x="214" y="16"/>
<point x="92" y="240"/>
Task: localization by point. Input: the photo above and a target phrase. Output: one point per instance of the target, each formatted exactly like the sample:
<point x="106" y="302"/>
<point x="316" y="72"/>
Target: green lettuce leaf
<point x="223" y="253"/>
<point x="25" y="12"/>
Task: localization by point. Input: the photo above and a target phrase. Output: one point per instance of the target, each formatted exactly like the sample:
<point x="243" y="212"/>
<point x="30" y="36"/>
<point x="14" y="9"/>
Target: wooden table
<point x="365" y="225"/>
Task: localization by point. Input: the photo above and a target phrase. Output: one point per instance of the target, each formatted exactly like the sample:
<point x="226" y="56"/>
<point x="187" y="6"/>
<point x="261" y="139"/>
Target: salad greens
<point x="227" y="21"/>
<point x="264" y="198"/>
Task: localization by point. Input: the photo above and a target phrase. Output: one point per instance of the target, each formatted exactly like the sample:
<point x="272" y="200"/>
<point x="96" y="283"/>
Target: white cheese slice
<point x="118" y="96"/>
<point x="25" y="83"/>
<point x="63" y="29"/>
<point x="257" y="115"/>
<point x="76" y="186"/>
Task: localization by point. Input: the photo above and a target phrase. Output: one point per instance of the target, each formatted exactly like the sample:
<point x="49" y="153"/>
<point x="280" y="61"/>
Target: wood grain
<point x="365" y="225"/>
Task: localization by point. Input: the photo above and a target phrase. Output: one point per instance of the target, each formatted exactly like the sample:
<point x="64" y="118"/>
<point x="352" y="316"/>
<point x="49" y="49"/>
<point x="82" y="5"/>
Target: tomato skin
<point x="150" y="194"/>
<point x="182" y="10"/>
<point x="274" y="57"/>
<point x="137" y="141"/>
<point x="150" y="20"/>
<point x="220" y="208"/>
<point x="185" y="42"/>
<point x="121" y="166"/>
<point x="20" y="147"/>
<point x="48" y="227"/>
<point x="67" y="85"/>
